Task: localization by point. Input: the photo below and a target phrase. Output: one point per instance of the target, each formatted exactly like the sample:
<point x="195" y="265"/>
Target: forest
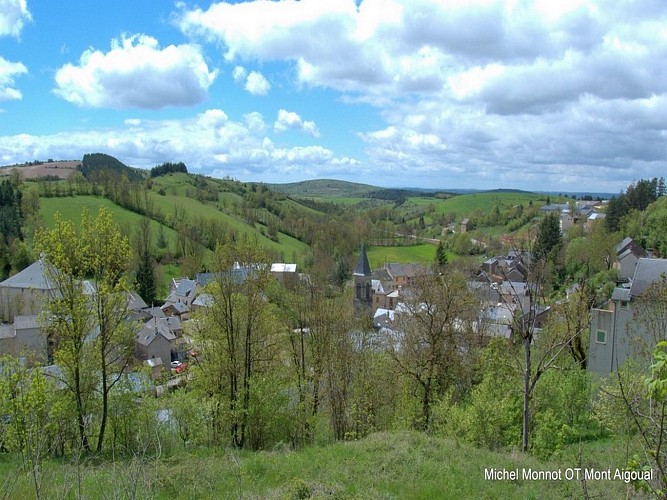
<point x="277" y="370"/>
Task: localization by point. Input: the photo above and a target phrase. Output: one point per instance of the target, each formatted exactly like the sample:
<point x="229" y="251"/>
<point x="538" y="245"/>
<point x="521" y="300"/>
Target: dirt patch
<point x="60" y="169"/>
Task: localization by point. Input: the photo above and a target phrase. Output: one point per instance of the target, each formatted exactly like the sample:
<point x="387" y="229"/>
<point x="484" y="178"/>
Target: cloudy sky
<point x="564" y="95"/>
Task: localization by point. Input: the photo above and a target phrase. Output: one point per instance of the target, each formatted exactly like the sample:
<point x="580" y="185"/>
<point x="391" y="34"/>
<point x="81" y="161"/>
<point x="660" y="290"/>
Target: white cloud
<point x="136" y="73"/>
<point x="8" y="72"/>
<point x="289" y="120"/>
<point x="210" y="143"/>
<point x="495" y="91"/>
<point x="255" y="122"/>
<point x="239" y="74"/>
<point x="257" y="84"/>
<point x="13" y="15"/>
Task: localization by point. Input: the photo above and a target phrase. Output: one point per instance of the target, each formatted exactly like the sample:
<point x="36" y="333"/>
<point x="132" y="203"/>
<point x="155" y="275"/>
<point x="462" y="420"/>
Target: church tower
<point x="363" y="295"/>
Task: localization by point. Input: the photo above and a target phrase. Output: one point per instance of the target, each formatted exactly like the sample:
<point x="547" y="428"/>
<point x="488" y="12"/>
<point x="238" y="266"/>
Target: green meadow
<point x="383" y="465"/>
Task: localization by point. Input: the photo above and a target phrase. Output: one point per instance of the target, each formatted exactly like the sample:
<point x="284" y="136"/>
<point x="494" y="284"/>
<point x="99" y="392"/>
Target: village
<point x="164" y="342"/>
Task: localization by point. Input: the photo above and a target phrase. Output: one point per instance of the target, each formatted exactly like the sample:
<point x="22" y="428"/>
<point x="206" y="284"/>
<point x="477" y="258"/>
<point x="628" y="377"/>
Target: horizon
<point x="453" y="190"/>
<point x="538" y="95"/>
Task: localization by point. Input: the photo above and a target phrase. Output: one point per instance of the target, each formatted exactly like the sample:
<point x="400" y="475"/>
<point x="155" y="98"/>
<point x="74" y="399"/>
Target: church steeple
<point x="363" y="294"/>
<point x="363" y="266"/>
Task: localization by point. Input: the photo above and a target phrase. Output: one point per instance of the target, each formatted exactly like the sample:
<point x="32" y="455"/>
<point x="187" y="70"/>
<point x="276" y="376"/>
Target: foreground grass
<point x="384" y="465"/>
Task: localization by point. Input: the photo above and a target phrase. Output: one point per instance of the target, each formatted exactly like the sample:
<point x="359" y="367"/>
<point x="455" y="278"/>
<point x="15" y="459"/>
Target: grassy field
<point x="423" y="253"/>
<point x="70" y="208"/>
<point x="483" y="202"/>
<point x="384" y="465"/>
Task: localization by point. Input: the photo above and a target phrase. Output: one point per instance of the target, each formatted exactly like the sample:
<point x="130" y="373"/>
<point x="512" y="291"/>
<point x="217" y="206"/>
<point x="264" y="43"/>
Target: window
<point x="624" y="304"/>
<point x="601" y="337"/>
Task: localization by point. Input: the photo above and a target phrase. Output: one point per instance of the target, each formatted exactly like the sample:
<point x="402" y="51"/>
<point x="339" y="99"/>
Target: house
<point x="464" y="225"/>
<point x="184" y="292"/>
<point x="593" y="218"/>
<point x="24" y="338"/>
<point x="616" y="332"/>
<point x="177" y="309"/>
<point x="203" y="301"/>
<point x="566" y="221"/>
<point x="26" y="292"/>
<point x="628" y="253"/>
<point x="396" y="276"/>
<point x="285" y="273"/>
<point x="505" y="268"/>
<point x="154" y="341"/>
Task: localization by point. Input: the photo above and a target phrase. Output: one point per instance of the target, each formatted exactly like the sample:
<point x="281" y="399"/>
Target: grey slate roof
<point x="150" y="331"/>
<point x="628" y="244"/>
<point x="33" y="276"/>
<point x="135" y="302"/>
<point x="620" y="294"/>
<point x="28" y="322"/>
<point x="363" y="266"/>
<point x="186" y="288"/>
<point x="647" y="272"/>
<point x="179" y="307"/>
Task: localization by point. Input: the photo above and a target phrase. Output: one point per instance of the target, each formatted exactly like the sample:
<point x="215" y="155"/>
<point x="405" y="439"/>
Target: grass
<point x="383" y="465"/>
<point x="423" y="253"/>
<point x="483" y="202"/>
<point x="70" y="208"/>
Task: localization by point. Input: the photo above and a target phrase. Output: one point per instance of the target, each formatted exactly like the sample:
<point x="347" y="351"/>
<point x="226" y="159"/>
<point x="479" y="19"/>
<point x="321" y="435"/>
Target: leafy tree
<point x="548" y="236"/>
<point x="617" y="208"/>
<point x="441" y="255"/>
<point x="236" y="336"/>
<point x="145" y="273"/>
<point x="92" y="334"/>
<point x="24" y="404"/>
<point x="437" y="339"/>
<point x="167" y="168"/>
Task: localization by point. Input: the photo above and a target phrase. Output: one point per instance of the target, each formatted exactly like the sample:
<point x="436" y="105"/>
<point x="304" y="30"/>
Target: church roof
<point x="363" y="266"/>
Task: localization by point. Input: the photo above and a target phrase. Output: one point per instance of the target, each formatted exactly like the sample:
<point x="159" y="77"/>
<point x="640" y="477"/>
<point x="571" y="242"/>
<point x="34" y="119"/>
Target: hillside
<point x="383" y="465"/>
<point x="324" y="188"/>
<point x="38" y="169"/>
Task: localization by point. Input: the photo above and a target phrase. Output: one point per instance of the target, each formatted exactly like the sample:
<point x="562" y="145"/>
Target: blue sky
<point x="528" y="94"/>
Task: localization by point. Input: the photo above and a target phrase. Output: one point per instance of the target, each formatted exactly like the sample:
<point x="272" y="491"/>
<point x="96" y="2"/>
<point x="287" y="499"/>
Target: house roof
<point x="34" y="276"/>
<point x="203" y="300"/>
<point x="156" y="312"/>
<point x="382" y="274"/>
<point x="238" y="274"/>
<point x="186" y="288"/>
<point x="7" y="331"/>
<point x="620" y="294"/>
<point x="135" y="302"/>
<point x="283" y="268"/>
<point x="179" y="307"/>
<point x="377" y="287"/>
<point x="173" y="323"/>
<point x="363" y="266"/>
<point x="647" y="272"/>
<point x="28" y="322"/>
<point x="395" y="270"/>
<point x="151" y="330"/>
<point x="630" y="244"/>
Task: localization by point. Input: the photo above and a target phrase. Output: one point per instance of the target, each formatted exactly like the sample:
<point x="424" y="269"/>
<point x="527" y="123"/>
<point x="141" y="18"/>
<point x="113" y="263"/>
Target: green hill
<point x="324" y="188"/>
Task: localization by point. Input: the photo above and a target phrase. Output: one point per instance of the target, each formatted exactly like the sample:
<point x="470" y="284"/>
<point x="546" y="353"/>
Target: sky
<point x="545" y="95"/>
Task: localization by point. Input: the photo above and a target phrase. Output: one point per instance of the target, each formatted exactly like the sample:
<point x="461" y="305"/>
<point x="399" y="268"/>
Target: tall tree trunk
<point x="79" y="410"/>
<point x="105" y="403"/>
<point x="526" y="394"/>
